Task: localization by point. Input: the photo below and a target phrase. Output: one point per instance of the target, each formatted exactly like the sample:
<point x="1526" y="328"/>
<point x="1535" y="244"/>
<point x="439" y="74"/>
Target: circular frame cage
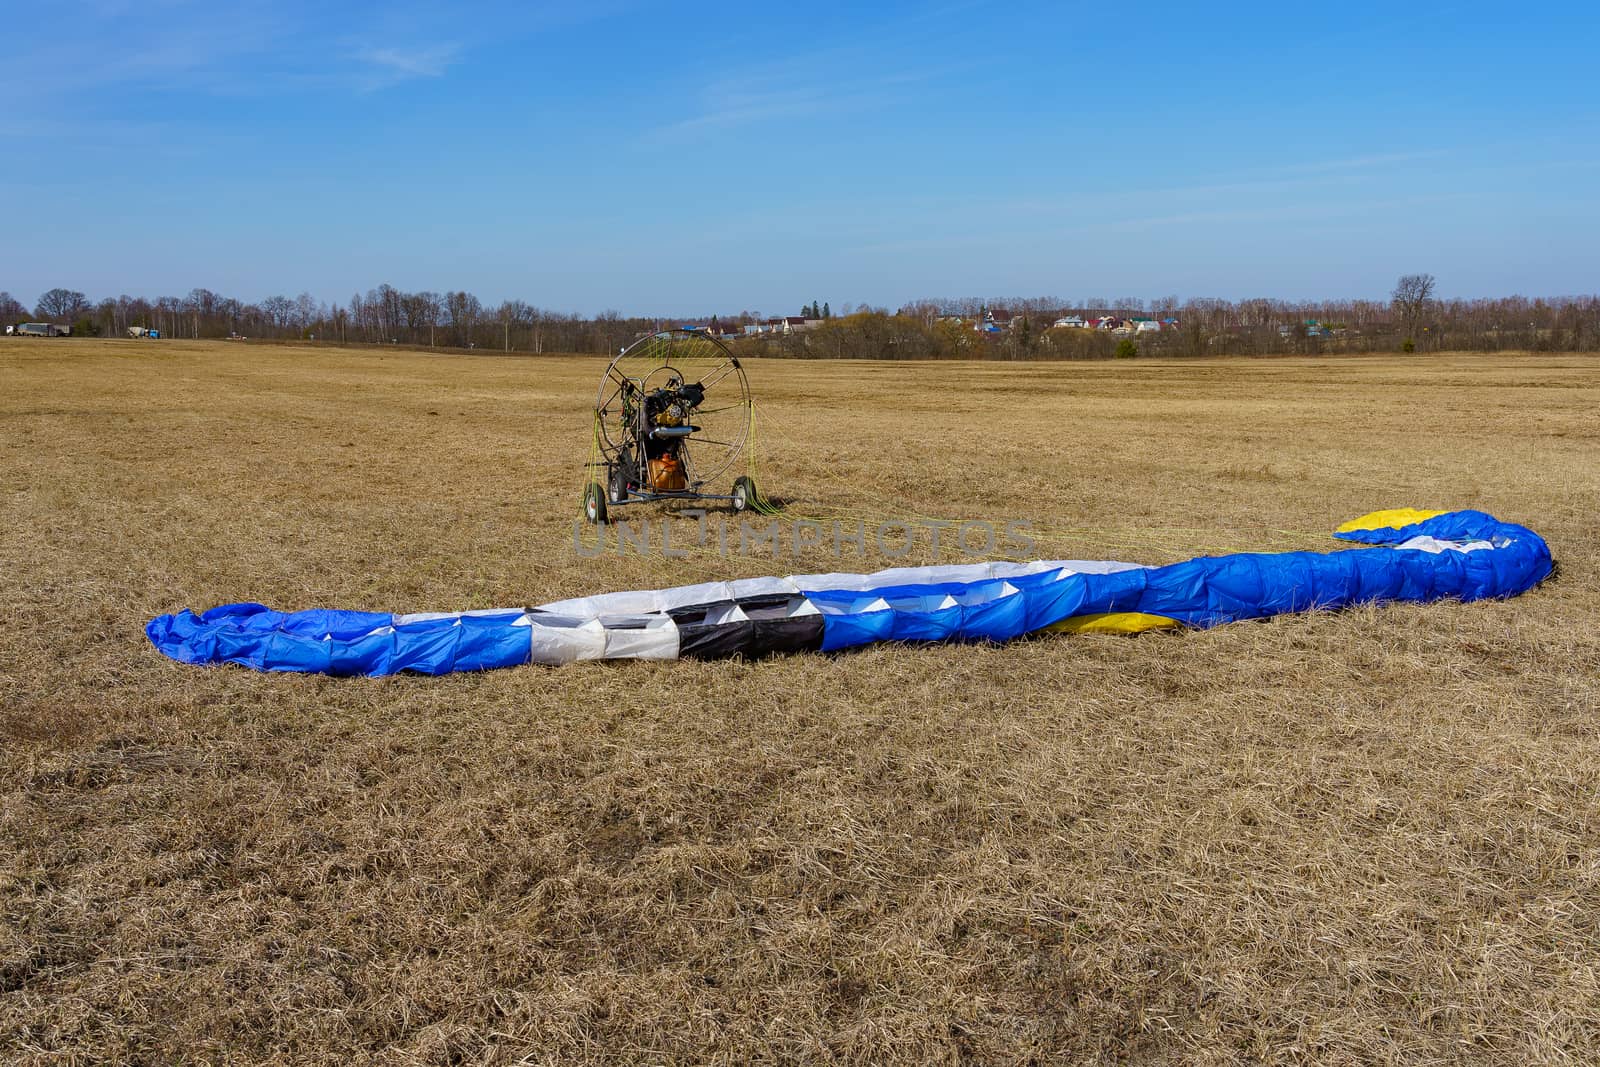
<point x="672" y="416"/>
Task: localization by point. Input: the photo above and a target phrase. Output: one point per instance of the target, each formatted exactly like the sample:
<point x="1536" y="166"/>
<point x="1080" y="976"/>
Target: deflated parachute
<point x="1427" y="555"/>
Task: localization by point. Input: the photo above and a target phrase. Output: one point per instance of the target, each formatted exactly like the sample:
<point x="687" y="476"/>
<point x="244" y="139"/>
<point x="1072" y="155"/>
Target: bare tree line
<point x="384" y="315"/>
<point x="1412" y="319"/>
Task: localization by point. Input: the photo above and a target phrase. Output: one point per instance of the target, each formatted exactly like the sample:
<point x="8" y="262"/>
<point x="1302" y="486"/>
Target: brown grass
<point x="1360" y="838"/>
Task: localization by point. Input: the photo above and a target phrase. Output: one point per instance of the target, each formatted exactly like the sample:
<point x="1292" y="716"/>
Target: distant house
<point x="786" y="325"/>
<point x="794" y="324"/>
<point x="995" y="320"/>
<point x="1145" y="325"/>
<point x="1069" y="322"/>
<point x="44" y="329"/>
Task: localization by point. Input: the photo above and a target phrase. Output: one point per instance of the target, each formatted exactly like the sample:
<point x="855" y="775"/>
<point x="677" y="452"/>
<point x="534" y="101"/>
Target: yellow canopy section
<point x="1112" y="622"/>
<point x="1391" y="519"/>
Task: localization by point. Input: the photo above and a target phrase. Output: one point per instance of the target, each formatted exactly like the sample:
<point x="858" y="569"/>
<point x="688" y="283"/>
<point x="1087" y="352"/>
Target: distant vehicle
<point x="44" y="329"/>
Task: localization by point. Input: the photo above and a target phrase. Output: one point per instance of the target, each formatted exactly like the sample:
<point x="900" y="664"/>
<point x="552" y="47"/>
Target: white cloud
<point x="398" y="64"/>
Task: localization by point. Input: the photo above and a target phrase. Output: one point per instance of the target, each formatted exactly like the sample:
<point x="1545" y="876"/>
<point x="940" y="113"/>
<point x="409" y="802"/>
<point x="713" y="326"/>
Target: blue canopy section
<point x="1211" y="590"/>
<point x="341" y="642"/>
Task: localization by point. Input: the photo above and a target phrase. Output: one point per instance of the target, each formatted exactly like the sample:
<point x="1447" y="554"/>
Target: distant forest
<point x="1413" y="319"/>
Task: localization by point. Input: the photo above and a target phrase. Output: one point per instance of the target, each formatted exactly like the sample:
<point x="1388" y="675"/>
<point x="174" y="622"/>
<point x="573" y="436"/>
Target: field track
<point x="1357" y="838"/>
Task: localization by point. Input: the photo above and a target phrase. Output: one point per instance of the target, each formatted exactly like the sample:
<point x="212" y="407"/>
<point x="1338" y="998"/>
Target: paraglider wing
<point x="1417" y="556"/>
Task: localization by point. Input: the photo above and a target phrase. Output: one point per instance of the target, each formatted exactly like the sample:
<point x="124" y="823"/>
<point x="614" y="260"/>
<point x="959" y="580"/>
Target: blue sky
<point x="666" y="158"/>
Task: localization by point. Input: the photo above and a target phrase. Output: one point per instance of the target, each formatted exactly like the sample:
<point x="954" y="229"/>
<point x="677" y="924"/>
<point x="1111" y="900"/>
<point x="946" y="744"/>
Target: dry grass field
<point x="1371" y="837"/>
